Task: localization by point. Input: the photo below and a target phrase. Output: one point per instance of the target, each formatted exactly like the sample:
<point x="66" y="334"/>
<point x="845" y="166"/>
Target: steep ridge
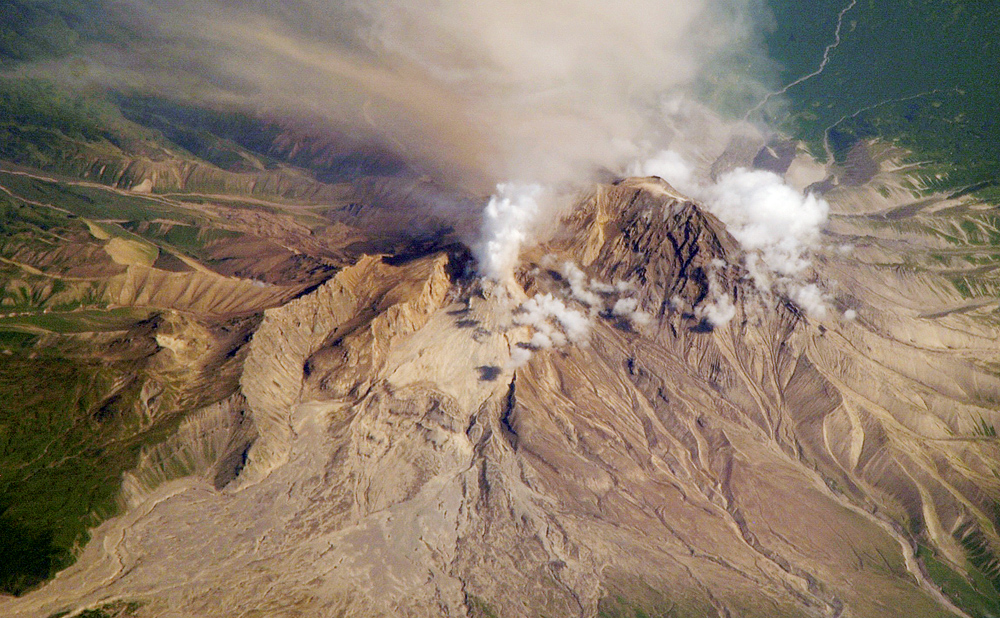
<point x="371" y="296"/>
<point x="212" y="444"/>
<point x="202" y="292"/>
<point x="409" y="464"/>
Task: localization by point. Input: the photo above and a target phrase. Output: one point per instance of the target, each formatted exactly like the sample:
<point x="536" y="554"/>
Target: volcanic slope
<point x="423" y="452"/>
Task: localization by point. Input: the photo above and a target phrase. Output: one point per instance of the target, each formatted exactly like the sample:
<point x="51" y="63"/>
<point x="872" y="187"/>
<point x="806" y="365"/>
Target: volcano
<point x="402" y="442"/>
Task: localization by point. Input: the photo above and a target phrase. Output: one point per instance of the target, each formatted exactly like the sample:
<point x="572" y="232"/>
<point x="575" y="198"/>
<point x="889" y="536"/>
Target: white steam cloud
<point x="555" y="324"/>
<point x="719" y="309"/>
<point x="774" y="223"/>
<point x="769" y="217"/>
<point x="543" y="310"/>
<point x="469" y="94"/>
<point x="581" y="287"/>
<point x="506" y="225"/>
<point x="629" y="308"/>
<point x="466" y="94"/>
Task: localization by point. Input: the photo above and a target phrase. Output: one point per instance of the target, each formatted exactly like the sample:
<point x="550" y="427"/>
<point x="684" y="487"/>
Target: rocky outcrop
<point x="210" y="444"/>
<point x="352" y="319"/>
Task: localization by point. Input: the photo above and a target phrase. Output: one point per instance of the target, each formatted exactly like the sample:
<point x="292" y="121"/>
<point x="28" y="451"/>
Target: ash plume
<point x="479" y="97"/>
<point x="473" y="93"/>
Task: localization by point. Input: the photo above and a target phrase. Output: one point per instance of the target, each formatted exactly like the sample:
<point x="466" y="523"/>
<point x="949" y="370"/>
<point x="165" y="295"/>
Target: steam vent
<point x="499" y="310"/>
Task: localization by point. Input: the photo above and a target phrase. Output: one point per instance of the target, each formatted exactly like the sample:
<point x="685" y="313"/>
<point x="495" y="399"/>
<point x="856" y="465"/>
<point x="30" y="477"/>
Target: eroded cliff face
<point x="412" y="460"/>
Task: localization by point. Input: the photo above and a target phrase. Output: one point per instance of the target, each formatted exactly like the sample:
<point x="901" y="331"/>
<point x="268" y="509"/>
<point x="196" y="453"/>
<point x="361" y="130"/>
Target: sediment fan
<point x="403" y="464"/>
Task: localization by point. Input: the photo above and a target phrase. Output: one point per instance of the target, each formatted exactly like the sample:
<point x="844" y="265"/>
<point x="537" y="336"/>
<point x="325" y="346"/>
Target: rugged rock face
<point x="406" y="465"/>
<point x="350" y="321"/>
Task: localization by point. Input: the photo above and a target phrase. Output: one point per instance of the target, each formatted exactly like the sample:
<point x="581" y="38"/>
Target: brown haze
<point x="471" y="93"/>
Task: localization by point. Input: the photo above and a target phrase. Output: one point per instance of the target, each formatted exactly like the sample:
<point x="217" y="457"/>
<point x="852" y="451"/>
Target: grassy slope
<point x="69" y="424"/>
<point x="70" y="421"/>
<point x="64" y="442"/>
<point x="74" y="415"/>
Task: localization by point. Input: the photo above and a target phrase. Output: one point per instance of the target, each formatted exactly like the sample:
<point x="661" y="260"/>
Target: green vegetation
<point x="619" y="607"/>
<point x="25" y="299"/>
<point x="72" y="421"/>
<point x="920" y="73"/>
<point x="94" y="202"/>
<point x="86" y="321"/>
<point x="28" y="231"/>
<point x="39" y="118"/>
<point x="187" y="239"/>
<point x="33" y="30"/>
<point x="969" y="229"/>
<point x="985" y="429"/>
<point x="30" y="555"/>
<point x="75" y="413"/>
<point x="30" y="103"/>
<point x="118" y="609"/>
<point x="479" y="608"/>
<point x="38" y="218"/>
<point x="66" y="435"/>
<point x="69" y="428"/>
<point x="46" y="125"/>
<point x="17" y="341"/>
<point x="231" y="140"/>
<point x="17" y="217"/>
<point x="976" y="594"/>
